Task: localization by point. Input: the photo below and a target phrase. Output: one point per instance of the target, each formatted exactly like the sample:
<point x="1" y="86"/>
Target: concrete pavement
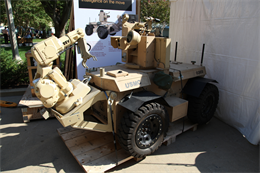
<point x="37" y="147"/>
<point x="12" y="92"/>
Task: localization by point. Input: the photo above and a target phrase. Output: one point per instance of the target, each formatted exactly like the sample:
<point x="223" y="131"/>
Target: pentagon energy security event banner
<point x="101" y="19"/>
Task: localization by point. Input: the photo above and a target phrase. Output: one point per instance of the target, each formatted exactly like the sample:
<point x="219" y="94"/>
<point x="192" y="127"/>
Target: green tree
<point x="30" y="13"/>
<point x="3" y="18"/>
<point x="156" y="8"/>
<point x="59" y="11"/>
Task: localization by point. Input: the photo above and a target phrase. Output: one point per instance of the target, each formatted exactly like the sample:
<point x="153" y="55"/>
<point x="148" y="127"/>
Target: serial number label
<point x="132" y="84"/>
<point x="199" y="72"/>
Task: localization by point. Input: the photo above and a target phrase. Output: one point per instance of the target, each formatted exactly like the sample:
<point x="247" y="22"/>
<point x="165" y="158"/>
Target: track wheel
<point x="112" y="31"/>
<point x="102" y="32"/>
<point x="202" y="109"/>
<point x="89" y="30"/>
<point x="142" y="132"/>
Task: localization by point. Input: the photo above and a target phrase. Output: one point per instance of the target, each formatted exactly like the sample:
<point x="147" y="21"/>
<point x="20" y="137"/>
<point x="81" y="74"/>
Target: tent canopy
<point x="230" y="30"/>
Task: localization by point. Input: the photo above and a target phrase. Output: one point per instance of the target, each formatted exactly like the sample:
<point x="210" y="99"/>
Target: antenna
<point x="202" y="55"/>
<point x="176" y="51"/>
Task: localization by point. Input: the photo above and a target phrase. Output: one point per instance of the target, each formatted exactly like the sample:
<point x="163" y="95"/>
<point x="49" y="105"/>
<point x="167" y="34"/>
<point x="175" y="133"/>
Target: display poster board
<point x="101" y="19"/>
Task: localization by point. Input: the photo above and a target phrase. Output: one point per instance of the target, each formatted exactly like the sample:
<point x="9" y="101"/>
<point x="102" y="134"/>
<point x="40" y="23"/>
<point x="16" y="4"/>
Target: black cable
<point x="72" y="46"/>
<point x="165" y="94"/>
<point x="183" y="122"/>
<point x="89" y="46"/>
<point x="113" y="130"/>
<point x="66" y="49"/>
<point x="180" y="79"/>
<point x="181" y="84"/>
<point x="158" y="62"/>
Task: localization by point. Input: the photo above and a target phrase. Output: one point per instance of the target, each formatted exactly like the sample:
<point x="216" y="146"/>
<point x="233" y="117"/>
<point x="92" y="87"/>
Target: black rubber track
<point x="202" y="109"/>
<point x="131" y="121"/>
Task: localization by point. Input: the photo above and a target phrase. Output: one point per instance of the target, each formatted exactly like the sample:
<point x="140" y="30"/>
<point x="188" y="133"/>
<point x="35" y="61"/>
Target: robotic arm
<point x="85" y="55"/>
<point x="50" y="49"/>
<point x="51" y="87"/>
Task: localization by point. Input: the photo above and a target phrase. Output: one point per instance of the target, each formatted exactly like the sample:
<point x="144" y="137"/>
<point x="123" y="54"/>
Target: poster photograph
<point x="101" y="19"/>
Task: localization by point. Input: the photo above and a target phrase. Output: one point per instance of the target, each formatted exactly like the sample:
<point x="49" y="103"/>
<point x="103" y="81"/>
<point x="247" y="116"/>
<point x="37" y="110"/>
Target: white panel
<point x="230" y="30"/>
<point x="101" y="48"/>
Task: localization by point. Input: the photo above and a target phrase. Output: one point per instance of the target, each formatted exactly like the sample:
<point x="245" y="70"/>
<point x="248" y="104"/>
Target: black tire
<point x="141" y="133"/>
<point x="102" y="32"/>
<point x="202" y="109"/>
<point x="89" y="30"/>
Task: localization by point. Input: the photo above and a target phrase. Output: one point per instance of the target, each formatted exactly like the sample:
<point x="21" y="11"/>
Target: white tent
<point x="230" y="30"/>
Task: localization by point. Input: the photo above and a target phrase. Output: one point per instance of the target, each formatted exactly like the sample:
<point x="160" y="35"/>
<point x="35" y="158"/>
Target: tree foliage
<point x="39" y="14"/>
<point x="59" y="12"/>
<point x="3" y="17"/>
<point x="29" y="13"/>
<point x="13" y="73"/>
<point x="156" y="8"/>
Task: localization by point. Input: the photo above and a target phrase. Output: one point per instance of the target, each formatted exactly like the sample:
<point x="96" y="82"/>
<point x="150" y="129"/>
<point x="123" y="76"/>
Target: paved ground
<point x="37" y="147"/>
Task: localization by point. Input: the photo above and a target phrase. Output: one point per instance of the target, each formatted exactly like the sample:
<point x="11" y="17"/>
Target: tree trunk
<point x="59" y="12"/>
<point x="12" y="34"/>
<point x="59" y="31"/>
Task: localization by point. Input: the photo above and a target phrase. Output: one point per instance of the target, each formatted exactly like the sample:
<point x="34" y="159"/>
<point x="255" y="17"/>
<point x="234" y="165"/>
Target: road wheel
<point x="142" y="132"/>
<point x="102" y="32"/>
<point x="202" y="109"/>
<point x="89" y="30"/>
<point x="112" y="31"/>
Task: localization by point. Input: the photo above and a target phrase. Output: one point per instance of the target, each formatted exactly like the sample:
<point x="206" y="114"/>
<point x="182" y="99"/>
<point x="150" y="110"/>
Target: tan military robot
<point x="136" y="100"/>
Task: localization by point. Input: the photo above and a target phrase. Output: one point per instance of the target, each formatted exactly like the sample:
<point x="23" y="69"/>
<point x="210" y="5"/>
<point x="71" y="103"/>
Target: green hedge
<point x="13" y="73"/>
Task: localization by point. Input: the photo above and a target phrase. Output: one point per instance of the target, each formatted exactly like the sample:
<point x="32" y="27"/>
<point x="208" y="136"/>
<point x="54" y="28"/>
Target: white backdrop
<point x="101" y="48"/>
<point x="231" y="31"/>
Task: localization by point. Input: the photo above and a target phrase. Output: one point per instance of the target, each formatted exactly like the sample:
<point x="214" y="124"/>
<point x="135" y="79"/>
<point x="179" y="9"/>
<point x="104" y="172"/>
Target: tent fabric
<point x="230" y="30"/>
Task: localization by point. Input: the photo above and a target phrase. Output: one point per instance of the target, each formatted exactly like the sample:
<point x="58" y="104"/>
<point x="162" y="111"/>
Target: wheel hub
<point x="148" y="131"/>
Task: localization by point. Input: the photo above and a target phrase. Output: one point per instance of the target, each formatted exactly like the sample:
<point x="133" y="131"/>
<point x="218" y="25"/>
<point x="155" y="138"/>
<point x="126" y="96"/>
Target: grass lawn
<point x="23" y="49"/>
<point x="19" y="72"/>
<point x="35" y="40"/>
<point x="2" y="40"/>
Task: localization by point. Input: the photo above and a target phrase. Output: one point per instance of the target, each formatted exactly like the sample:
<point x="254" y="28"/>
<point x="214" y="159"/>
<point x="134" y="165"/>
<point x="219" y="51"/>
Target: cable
<point x="182" y="98"/>
<point x="89" y="46"/>
<point x="183" y="122"/>
<point x="113" y="130"/>
<point x="72" y="46"/>
<point x="180" y="79"/>
<point x="66" y="49"/>
<point x="165" y="94"/>
<point x="158" y="62"/>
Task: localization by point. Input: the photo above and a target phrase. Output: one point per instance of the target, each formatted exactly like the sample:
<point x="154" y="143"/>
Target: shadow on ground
<point x="215" y="147"/>
<point x="34" y="144"/>
<point x="37" y="147"/>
